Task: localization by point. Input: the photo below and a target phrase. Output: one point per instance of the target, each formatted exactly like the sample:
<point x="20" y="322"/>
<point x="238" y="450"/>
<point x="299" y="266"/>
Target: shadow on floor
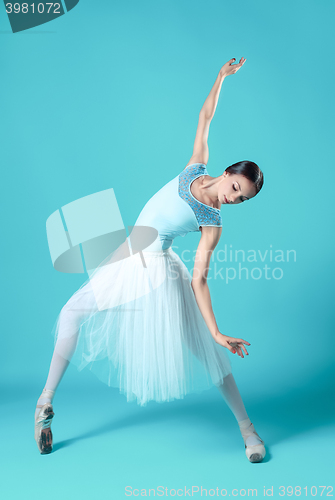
<point x="277" y="418"/>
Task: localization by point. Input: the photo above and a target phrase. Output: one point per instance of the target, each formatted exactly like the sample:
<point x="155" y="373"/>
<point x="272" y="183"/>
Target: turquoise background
<point x="108" y="95"/>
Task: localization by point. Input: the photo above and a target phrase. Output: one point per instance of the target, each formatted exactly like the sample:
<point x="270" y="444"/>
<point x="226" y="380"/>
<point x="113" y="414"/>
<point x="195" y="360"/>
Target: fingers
<point x="241" y="341"/>
<point x="242" y="61"/>
<point x="237" y="346"/>
<point x="231" y="349"/>
<point x="234" y="348"/>
<point x="239" y="351"/>
<point x="244" y="349"/>
<point x="240" y="64"/>
<point x="233" y="340"/>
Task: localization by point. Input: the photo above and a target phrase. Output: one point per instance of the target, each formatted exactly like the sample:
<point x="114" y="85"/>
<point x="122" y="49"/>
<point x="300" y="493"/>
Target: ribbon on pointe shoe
<point x="46" y="393"/>
<point x="255" y="452"/>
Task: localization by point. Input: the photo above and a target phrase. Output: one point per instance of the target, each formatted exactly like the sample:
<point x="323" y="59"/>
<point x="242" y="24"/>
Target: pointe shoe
<point x="43" y="434"/>
<point x="255" y="453"/>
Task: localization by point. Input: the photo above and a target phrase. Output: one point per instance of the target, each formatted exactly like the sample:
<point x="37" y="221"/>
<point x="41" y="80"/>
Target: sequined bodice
<point x="206" y="215"/>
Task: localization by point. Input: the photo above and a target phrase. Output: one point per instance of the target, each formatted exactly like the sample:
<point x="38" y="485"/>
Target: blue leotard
<point x="173" y="211"/>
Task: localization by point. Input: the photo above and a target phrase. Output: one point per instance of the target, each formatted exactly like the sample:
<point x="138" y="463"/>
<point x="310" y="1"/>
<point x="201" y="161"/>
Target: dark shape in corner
<point x="34" y="14"/>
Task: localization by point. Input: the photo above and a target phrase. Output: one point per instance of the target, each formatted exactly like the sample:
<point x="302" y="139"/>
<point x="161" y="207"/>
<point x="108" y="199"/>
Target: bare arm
<point x="209" y="239"/>
<point x="200" y="148"/>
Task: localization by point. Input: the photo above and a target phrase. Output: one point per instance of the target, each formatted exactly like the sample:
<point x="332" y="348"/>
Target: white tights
<point x="58" y="366"/>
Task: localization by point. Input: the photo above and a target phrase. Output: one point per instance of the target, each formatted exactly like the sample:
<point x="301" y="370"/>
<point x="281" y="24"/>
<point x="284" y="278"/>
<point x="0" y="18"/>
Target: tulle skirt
<point x="136" y="325"/>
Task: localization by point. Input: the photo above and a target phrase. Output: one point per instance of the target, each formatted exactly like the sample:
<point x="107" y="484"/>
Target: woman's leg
<point x="232" y="397"/>
<point x="73" y="313"/>
<point x="57" y="369"/>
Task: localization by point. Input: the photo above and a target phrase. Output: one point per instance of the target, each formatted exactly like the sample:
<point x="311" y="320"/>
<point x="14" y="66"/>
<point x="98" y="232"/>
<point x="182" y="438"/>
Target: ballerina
<point x="150" y="330"/>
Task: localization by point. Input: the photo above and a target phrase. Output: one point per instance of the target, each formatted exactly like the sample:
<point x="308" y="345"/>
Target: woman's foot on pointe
<point x="254" y="445"/>
<point x="43" y="416"/>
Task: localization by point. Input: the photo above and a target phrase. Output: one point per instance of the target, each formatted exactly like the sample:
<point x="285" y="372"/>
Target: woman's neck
<point x="208" y="189"/>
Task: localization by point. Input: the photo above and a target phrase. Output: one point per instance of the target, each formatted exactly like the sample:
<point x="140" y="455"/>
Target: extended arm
<point x="209" y="239"/>
<point x="200" y="149"/>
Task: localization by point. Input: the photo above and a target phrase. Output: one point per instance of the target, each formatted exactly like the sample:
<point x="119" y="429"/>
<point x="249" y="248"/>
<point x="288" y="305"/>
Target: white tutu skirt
<point x="136" y="325"/>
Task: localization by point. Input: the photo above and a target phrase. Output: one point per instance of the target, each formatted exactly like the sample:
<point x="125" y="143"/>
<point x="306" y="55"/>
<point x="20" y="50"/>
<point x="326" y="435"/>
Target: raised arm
<point x="209" y="238"/>
<point x="200" y="149"/>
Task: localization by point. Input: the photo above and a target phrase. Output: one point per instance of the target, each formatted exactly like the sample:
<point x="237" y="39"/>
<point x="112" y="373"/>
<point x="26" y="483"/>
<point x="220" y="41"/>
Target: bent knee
<point x="71" y="316"/>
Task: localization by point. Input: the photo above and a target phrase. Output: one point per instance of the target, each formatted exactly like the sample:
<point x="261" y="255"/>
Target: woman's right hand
<point x="229" y="68"/>
<point x="232" y="344"/>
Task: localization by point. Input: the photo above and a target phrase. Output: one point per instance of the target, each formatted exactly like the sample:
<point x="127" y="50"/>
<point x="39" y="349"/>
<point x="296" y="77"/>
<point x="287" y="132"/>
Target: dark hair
<point x="250" y="170"/>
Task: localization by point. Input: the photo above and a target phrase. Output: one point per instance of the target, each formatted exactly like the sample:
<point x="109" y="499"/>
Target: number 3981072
<point x="38" y="8"/>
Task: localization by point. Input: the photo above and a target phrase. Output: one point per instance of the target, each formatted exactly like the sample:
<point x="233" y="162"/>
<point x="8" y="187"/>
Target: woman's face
<point x="235" y="188"/>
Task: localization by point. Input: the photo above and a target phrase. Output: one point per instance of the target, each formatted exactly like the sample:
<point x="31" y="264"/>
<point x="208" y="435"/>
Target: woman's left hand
<point x="237" y="344"/>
